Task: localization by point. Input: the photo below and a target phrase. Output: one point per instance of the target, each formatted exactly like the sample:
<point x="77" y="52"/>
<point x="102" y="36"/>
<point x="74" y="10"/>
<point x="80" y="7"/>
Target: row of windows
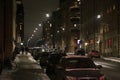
<point x="111" y="43"/>
<point x="110" y="9"/>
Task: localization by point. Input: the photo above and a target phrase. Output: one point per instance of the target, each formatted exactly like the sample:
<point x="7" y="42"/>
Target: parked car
<point x="43" y="58"/>
<point x="94" y="53"/>
<point x="75" y="67"/>
<point x="36" y="52"/>
<point x="80" y="52"/>
<point x="54" y="58"/>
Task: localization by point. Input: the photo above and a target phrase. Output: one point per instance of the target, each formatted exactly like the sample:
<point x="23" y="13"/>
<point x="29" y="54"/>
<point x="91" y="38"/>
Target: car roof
<point x="75" y="56"/>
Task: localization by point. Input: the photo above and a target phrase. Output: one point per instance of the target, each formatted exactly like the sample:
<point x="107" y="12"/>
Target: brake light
<point x="70" y="78"/>
<point x="102" y="78"/>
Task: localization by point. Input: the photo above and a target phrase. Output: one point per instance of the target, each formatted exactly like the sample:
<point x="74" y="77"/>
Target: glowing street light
<point x="86" y="44"/>
<point x="32" y="35"/>
<point x="21" y="44"/>
<point x="36" y="29"/>
<point x="58" y="31"/>
<point x="50" y="25"/>
<point x="99" y="16"/>
<point x="40" y="25"/>
<point x="75" y="25"/>
<point x="63" y="29"/>
<point x="47" y="15"/>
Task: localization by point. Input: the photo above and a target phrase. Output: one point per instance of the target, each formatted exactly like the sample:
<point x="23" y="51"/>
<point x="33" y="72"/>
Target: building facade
<point x="70" y="14"/>
<point x="7" y="29"/>
<point x="100" y="28"/>
<point x="89" y="24"/>
<point x="19" y="22"/>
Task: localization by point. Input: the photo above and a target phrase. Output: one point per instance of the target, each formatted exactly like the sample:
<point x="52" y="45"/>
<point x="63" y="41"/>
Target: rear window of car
<point x="79" y="63"/>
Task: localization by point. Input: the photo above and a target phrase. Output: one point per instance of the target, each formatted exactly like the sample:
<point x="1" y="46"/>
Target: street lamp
<point x="50" y="25"/>
<point x="32" y="35"/>
<point x="40" y="25"/>
<point x="28" y="42"/>
<point x="98" y="16"/>
<point x="94" y="28"/>
<point x="47" y="15"/>
<point x="36" y="29"/>
<point x="86" y="46"/>
<point x="75" y="25"/>
<point x="21" y="43"/>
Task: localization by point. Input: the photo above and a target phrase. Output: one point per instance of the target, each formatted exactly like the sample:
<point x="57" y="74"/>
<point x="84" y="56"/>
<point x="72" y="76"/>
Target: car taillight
<point x="70" y="78"/>
<point x="102" y="78"/>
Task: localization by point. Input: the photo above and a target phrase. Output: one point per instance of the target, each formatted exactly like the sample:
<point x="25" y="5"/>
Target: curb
<point x="112" y="60"/>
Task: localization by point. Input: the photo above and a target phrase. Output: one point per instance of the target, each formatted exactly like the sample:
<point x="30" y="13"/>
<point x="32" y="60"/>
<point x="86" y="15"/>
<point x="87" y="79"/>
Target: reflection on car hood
<point x="80" y="72"/>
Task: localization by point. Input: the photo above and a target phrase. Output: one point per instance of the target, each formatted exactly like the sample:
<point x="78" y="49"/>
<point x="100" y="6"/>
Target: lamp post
<point x="98" y="41"/>
<point x="86" y="46"/>
<point x="28" y="42"/>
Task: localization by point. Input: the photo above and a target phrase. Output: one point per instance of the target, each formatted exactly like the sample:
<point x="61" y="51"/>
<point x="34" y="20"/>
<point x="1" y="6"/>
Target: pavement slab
<point x="25" y="67"/>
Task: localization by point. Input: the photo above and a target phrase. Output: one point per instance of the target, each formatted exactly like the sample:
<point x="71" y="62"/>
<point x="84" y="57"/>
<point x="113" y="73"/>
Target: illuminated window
<point x="20" y="27"/>
<point x="108" y="11"/>
<point x="91" y="41"/>
<point x="109" y="43"/>
<point x="79" y="2"/>
<point x="113" y="7"/>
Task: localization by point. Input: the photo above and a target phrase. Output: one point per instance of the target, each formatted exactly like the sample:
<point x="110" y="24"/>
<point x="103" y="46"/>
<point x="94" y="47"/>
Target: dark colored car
<point x="75" y="67"/>
<point x="80" y="52"/>
<point x="43" y="58"/>
<point x="94" y="54"/>
<point x="53" y="60"/>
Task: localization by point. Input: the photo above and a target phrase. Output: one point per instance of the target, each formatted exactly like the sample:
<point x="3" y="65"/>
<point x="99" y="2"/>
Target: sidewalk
<point x="114" y="59"/>
<point x="5" y="75"/>
<point x="25" y="68"/>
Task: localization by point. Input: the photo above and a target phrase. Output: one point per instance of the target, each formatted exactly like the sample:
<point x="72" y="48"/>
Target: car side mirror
<point x="99" y="66"/>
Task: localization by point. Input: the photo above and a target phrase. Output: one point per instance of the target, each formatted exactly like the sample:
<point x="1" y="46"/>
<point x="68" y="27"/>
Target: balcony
<point x="75" y="19"/>
<point x="75" y="30"/>
<point x="75" y="9"/>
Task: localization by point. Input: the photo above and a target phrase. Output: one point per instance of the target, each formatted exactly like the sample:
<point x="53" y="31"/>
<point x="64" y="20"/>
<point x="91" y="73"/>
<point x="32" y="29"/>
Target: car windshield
<point x="79" y="63"/>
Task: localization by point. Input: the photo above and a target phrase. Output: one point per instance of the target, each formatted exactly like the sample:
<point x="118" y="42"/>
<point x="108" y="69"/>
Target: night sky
<point x="34" y="13"/>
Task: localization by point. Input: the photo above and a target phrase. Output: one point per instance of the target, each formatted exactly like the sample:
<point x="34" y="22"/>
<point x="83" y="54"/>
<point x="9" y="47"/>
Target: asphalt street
<point x="111" y="69"/>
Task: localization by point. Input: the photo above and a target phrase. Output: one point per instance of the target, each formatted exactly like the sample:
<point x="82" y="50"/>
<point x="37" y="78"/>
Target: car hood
<point x="81" y="72"/>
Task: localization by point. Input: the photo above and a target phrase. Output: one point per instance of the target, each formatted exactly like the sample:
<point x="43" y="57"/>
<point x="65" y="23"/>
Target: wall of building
<point x="104" y="29"/>
<point x="102" y="34"/>
<point x="7" y="28"/>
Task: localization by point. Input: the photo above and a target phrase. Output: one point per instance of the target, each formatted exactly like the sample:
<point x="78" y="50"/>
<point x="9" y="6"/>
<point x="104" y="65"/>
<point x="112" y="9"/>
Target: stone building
<point x="89" y="24"/>
<point x="100" y="26"/>
<point x="7" y="28"/>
